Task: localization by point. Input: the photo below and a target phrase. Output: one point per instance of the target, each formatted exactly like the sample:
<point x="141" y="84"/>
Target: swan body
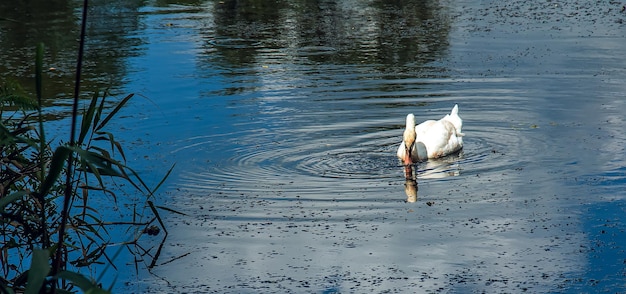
<point x="432" y="138"/>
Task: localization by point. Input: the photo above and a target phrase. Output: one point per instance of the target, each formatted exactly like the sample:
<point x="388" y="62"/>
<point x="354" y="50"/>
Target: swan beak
<point x="407" y="154"/>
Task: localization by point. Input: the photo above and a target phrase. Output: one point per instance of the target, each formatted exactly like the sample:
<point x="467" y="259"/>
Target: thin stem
<point x="45" y="241"/>
<point x="58" y="264"/>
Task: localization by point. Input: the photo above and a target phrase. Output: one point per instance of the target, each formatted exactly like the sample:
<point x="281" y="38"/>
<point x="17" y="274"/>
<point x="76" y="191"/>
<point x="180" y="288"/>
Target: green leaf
<point x="99" y="164"/>
<point x="87" y="119"/>
<point x="115" y="110"/>
<point x="109" y="265"/>
<point x="105" y="153"/>
<point x="120" y="150"/>
<point x="115" y="145"/>
<point x="11" y="137"/>
<point x="170" y="209"/>
<point x="12" y="93"/>
<point x="156" y="213"/>
<point x="40" y="118"/>
<point x="4" y="201"/>
<point x="98" y="114"/>
<point x="82" y="282"/>
<point x="56" y="166"/>
<point x="91" y="257"/>
<point x="5" y="289"/>
<point x="162" y="181"/>
<point x="39" y="269"/>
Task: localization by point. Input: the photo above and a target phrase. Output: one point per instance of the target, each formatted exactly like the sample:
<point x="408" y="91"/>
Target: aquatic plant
<point x="49" y="229"/>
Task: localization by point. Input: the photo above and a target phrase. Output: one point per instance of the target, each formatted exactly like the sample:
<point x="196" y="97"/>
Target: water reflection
<point x="410" y="184"/>
<point x="440" y="168"/>
<point x="318" y="112"/>
<point x="320" y="99"/>
<point x="111" y="39"/>
<point x="449" y="166"/>
<point x="284" y="117"/>
<point x="339" y="32"/>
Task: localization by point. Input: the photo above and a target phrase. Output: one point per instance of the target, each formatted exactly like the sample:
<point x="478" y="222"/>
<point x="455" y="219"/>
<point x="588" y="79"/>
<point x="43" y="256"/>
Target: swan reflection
<point x="410" y="188"/>
<point x="410" y="183"/>
<point x="431" y="169"/>
<point x="440" y="168"/>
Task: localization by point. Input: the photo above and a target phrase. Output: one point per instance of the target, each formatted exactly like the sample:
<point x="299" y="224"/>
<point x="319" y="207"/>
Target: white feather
<point x="434" y="138"/>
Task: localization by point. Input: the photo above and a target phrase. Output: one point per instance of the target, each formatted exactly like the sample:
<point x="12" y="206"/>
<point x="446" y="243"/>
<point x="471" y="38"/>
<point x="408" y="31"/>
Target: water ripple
<point x="352" y="151"/>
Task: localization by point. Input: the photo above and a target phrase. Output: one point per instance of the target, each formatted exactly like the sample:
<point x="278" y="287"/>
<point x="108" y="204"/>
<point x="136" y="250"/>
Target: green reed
<point x="49" y="229"/>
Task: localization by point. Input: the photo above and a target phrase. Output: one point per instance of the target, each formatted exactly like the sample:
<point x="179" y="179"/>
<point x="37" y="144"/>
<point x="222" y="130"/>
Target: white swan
<point x="432" y="138"/>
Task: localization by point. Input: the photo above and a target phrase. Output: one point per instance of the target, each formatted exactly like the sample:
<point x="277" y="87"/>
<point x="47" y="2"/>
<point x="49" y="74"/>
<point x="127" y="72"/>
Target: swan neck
<point x="410" y="122"/>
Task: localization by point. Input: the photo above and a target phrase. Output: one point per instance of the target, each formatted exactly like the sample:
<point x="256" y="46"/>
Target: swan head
<point x="409" y="138"/>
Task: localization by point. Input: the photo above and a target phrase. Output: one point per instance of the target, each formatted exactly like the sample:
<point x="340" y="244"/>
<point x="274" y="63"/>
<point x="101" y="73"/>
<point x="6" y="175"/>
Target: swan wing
<point x="439" y="137"/>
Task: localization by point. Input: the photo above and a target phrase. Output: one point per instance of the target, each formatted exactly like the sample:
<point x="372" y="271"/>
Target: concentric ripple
<point x="348" y="156"/>
<point x="305" y="131"/>
<point x="309" y="163"/>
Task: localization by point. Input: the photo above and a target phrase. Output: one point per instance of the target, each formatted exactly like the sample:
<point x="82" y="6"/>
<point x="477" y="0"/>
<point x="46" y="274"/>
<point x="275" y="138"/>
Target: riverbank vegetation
<point x="54" y="236"/>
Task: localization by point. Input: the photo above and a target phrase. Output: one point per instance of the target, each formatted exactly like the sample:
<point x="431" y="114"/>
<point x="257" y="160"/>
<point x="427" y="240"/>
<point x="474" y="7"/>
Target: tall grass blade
<point x="42" y="143"/>
<point x="100" y="163"/>
<point x="87" y="119"/>
<point x="162" y="180"/>
<point x="82" y="282"/>
<point x="56" y="167"/>
<point x="12" y="94"/>
<point x="170" y="209"/>
<point x="99" y="111"/>
<point x="6" y="200"/>
<point x="67" y="197"/>
<point x="40" y="118"/>
<point x="156" y="213"/>
<point x="107" y="136"/>
<point x="39" y="269"/>
<point x="115" y="110"/>
<point x="106" y="268"/>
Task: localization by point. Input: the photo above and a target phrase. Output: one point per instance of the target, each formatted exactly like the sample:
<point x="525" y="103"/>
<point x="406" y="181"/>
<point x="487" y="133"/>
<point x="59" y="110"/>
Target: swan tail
<point x="455" y="119"/>
<point x="455" y="110"/>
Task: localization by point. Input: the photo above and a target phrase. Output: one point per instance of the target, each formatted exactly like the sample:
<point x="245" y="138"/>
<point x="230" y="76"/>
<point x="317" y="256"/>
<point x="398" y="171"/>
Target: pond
<point x="283" y="118"/>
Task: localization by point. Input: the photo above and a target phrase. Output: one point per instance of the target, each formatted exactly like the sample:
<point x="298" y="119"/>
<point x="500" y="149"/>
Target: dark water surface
<point x="283" y="118"/>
